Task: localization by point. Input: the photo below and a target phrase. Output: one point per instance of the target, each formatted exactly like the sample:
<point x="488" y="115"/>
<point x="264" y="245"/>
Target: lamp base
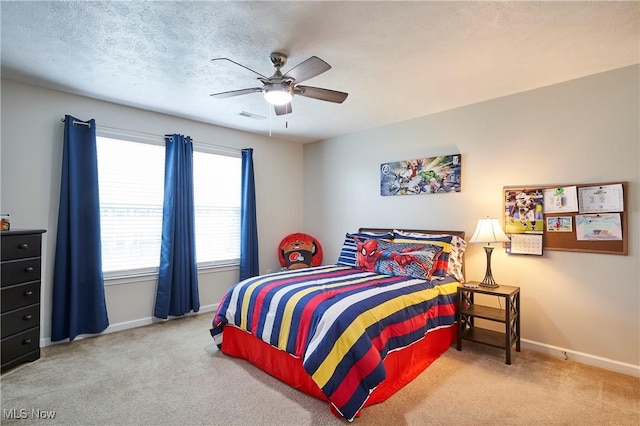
<point x="488" y="280"/>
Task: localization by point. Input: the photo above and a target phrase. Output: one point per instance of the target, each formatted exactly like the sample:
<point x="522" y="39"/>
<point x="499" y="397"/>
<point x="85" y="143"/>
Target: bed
<point x="355" y="332"/>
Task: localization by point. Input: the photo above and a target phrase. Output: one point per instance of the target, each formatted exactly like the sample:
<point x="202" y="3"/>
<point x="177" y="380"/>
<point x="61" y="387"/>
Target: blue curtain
<point x="78" y="284"/>
<point x="248" y="227"/>
<point x="177" y="291"/>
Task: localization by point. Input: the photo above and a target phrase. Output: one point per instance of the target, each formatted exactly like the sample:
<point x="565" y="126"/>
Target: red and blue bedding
<point x="340" y="321"/>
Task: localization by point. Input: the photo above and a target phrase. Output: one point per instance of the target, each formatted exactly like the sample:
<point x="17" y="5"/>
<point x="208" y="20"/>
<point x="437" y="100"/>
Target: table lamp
<point x="488" y="231"/>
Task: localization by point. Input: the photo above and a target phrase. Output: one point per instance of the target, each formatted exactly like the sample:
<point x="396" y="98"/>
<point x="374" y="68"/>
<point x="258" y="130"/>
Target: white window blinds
<point x="131" y="180"/>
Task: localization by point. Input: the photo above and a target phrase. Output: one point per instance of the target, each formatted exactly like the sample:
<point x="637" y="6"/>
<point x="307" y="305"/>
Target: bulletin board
<point x="568" y="227"/>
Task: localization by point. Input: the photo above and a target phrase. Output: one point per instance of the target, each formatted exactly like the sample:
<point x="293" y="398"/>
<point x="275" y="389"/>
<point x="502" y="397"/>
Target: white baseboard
<point x="128" y="325"/>
<point x="596" y="361"/>
<point x="554" y="351"/>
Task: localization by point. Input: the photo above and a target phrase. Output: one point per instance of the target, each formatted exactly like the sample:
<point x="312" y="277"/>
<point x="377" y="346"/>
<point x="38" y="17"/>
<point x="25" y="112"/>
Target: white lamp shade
<point x="278" y="93"/>
<point x="489" y="231"/>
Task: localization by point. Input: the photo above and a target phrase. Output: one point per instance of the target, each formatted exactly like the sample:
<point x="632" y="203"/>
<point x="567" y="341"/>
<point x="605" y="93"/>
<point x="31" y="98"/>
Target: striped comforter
<point x="341" y="321"/>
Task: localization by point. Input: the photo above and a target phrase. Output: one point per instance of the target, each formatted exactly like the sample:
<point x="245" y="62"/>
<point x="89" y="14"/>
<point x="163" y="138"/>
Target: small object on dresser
<point x="470" y="285"/>
<point x="5" y="224"/>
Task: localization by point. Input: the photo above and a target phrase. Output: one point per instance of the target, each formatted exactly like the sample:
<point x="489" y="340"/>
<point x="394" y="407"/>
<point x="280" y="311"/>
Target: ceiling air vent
<point x="251" y="115"/>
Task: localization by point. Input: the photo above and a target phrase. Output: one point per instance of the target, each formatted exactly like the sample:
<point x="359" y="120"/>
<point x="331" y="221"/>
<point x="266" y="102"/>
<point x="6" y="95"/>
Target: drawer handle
<point x="28" y="269"/>
<point x="23" y="246"/>
<point x="27" y="317"/>
<point x="26" y="342"/>
<point x="28" y="293"/>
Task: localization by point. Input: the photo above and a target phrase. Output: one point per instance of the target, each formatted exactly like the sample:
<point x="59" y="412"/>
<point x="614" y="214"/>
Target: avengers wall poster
<point x="421" y="176"/>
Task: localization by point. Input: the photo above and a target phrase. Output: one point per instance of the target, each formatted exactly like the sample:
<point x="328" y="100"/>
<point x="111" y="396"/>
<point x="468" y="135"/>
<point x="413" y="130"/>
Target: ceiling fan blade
<point x="283" y="109"/>
<point x="307" y="69"/>
<point x="240" y="65"/>
<point x="321" y="94"/>
<point x="232" y="93"/>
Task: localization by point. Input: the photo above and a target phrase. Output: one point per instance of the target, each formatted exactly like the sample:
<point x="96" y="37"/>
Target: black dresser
<point x="20" y="256"/>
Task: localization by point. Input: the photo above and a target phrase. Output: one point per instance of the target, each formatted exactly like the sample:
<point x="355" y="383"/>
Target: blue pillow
<point x="347" y="255"/>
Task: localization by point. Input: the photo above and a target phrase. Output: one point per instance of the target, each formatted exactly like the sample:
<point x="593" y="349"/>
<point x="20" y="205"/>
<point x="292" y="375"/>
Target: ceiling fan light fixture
<point x="278" y="93"/>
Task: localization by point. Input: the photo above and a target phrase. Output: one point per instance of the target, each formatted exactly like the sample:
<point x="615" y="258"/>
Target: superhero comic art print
<point x="523" y="211"/>
<point x="431" y="175"/>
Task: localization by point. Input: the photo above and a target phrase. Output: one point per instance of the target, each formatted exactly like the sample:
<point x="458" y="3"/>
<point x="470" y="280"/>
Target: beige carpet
<point x="172" y="374"/>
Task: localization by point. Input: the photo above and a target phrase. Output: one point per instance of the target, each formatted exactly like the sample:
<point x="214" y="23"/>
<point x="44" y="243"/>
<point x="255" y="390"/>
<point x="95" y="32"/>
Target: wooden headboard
<point x="422" y="231"/>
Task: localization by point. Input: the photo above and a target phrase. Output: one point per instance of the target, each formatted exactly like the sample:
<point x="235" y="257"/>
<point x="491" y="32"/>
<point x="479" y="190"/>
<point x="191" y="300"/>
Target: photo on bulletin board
<point x="523" y="211"/>
<point x="559" y="224"/>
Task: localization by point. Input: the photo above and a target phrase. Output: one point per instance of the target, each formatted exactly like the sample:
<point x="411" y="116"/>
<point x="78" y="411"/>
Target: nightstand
<point x="509" y="315"/>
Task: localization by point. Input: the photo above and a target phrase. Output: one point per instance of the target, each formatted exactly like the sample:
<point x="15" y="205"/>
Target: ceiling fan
<point x="279" y="89"/>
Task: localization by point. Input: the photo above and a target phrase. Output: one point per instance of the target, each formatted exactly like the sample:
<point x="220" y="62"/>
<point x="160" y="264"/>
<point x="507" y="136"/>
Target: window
<point x="216" y="195"/>
<point x="131" y="181"/>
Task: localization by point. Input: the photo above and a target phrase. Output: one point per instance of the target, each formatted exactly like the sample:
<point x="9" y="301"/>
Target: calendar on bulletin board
<point x="525" y="244"/>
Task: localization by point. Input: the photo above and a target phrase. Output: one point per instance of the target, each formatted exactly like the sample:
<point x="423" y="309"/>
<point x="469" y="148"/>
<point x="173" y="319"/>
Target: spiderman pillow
<point x="400" y="259"/>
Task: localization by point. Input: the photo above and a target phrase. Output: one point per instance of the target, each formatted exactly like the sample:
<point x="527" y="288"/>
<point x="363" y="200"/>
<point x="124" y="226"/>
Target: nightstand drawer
<point x="20" y="295"/>
<point x="20" y="344"/>
<point x="20" y="246"/>
<point x="20" y="319"/>
<point x="20" y="271"/>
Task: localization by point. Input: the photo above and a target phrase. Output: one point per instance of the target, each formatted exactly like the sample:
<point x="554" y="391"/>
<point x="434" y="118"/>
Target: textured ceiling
<point x="397" y="60"/>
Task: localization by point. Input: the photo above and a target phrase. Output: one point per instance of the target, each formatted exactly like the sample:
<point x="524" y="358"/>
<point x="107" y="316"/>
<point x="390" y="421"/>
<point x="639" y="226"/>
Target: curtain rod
<point x="161" y="137"/>
<point x="78" y="122"/>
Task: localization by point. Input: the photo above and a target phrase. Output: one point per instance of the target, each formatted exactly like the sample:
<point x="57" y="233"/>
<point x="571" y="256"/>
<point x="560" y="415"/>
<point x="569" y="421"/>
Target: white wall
<point x="582" y="131"/>
<point x="31" y="157"/>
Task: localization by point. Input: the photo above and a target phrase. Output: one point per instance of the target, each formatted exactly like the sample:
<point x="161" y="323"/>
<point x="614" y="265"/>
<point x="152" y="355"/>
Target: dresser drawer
<point x="20" y="344"/>
<point x="20" y="271"/>
<point x="20" y="320"/>
<point x="20" y="246"/>
<point x="20" y="295"/>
